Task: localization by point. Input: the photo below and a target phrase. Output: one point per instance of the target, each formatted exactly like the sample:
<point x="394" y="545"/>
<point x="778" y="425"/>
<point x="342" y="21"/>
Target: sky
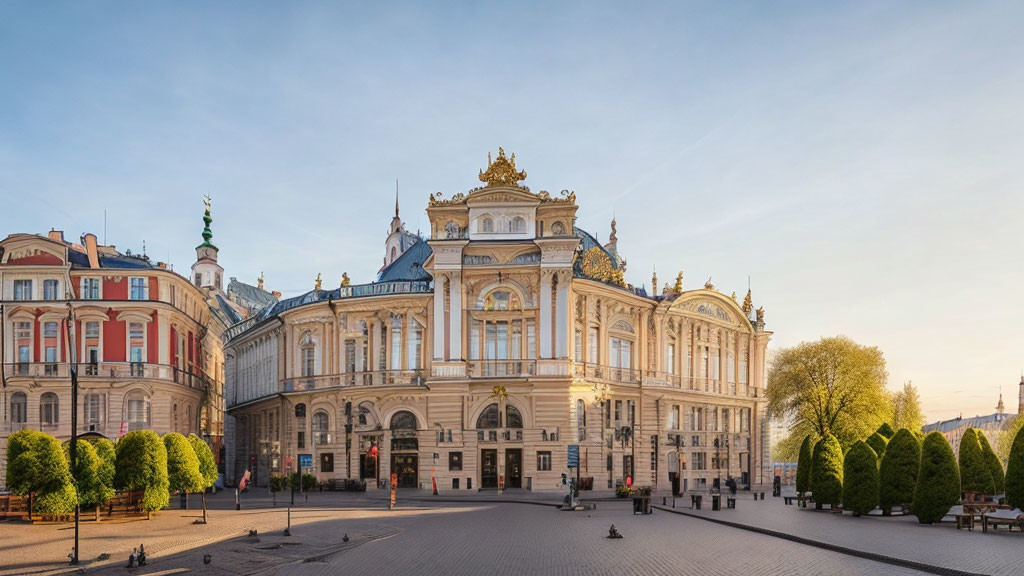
<point x="859" y="162"/>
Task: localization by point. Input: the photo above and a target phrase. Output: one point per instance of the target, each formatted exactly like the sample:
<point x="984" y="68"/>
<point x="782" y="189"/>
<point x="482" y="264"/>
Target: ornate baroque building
<point x="483" y="353"/>
<point x="146" y="340"/>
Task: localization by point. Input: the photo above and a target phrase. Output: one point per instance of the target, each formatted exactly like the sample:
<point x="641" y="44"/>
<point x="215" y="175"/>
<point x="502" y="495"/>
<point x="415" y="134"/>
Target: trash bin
<point x="716" y="502"/>
<point x="641" y="505"/>
<point x="695" y="501"/>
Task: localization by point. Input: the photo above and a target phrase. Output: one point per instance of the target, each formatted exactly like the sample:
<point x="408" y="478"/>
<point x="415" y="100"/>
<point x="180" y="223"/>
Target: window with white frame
<point x="22" y="289"/>
<point x="92" y="329"/>
<point x="19" y="408"/>
<point x="670" y="357"/>
<point x="415" y="343"/>
<point x="92" y="410"/>
<point x="308" y="351"/>
<point x="320" y="427"/>
<point x="543" y="461"/>
<point x="50" y="290"/>
<point x="49" y="329"/>
<point x="396" y="342"/>
<point x="136" y="342"/>
<point x="90" y="288"/>
<point x="137" y="408"/>
<point x="139" y="288"/>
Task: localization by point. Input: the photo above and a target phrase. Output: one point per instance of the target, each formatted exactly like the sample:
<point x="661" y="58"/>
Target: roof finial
<point x="259" y="281"/>
<point x="207" y="219"/>
<point x="396" y="197"/>
<point x="654" y="281"/>
<point x="319" y="282"/>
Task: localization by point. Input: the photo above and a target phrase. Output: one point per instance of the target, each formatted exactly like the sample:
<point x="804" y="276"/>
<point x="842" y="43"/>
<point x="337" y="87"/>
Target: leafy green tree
<point x="141" y="465"/>
<point x="877" y="442"/>
<point x="182" y="465"/>
<point x="975" y="475"/>
<point x="938" y="480"/>
<point x="1015" y="472"/>
<point x="827" y="472"/>
<point x="886" y="431"/>
<point x="108" y="459"/>
<point x="92" y="492"/>
<point x="897" y="475"/>
<point x="860" y="479"/>
<point x="832" y="386"/>
<point x="803" y="466"/>
<point x="1006" y="437"/>
<point x="994" y="465"/>
<point x="207" y="465"/>
<point x="906" y="409"/>
<point x="36" y="466"/>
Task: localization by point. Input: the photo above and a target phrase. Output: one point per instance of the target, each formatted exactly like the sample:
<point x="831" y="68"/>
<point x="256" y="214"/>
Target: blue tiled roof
<point x="78" y="259"/>
<point x="408" y="266"/>
<point x="965" y="423"/>
<point x="124" y="262"/>
<point x="228" y="311"/>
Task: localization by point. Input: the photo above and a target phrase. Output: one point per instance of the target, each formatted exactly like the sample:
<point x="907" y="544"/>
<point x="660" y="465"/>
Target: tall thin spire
<point x="207" y="220"/>
<point x="396" y="197"/>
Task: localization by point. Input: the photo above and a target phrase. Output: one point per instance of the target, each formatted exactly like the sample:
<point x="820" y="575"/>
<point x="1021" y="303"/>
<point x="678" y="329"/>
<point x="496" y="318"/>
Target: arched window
<point x="19" y="408"/>
<point x="320" y="427"/>
<point x="308" y="354"/>
<point x="137" y="410"/>
<point x="394" y="254"/>
<point x="513" y="419"/>
<point x="365" y="414"/>
<point x="519" y="224"/>
<point x="488" y="418"/>
<point x="623" y="326"/>
<point x="403" y="420"/>
<point x="488" y="225"/>
<point x="300" y="410"/>
<point x="49" y="408"/>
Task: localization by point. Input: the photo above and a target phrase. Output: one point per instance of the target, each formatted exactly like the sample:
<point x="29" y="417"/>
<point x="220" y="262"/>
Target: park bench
<point x="964" y="518"/>
<point x="1010" y="518"/>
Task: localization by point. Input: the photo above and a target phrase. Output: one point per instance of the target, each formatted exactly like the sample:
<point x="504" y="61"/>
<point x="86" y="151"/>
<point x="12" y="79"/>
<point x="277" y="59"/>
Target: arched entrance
<point x="488" y="423"/>
<point x="404" y="449"/>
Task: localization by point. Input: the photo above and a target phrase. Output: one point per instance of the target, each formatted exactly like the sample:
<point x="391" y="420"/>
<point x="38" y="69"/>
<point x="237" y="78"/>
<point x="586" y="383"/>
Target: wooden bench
<point x="1009" y="518"/>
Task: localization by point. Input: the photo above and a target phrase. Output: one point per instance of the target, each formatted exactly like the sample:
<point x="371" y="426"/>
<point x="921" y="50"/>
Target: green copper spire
<point x="207" y="233"/>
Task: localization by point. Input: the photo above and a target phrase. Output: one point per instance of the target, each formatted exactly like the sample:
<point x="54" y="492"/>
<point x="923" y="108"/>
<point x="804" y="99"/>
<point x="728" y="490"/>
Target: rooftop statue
<point x="502" y="172"/>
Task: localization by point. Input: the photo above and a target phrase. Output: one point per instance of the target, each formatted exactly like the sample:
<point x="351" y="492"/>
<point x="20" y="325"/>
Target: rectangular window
<point x="674" y="420"/>
<point x="49" y="330"/>
<point x="308" y="360"/>
<point x="139" y="288"/>
<point x="631" y="411"/>
<point x="455" y="461"/>
<point x="474" y="339"/>
<point x="578" y="346"/>
<point x="92" y="411"/>
<point x="670" y="359"/>
<point x="396" y="343"/>
<point x="90" y="288"/>
<point x="50" y="289"/>
<point x="415" y="345"/>
<point x="327" y="462"/>
<point x="618" y="411"/>
<point x="22" y="289"/>
<point x="531" y="339"/>
<point x="136" y="339"/>
<point x="543" y="461"/>
<point x="592" y="354"/>
<point x="455" y="483"/>
<point x="92" y="329"/>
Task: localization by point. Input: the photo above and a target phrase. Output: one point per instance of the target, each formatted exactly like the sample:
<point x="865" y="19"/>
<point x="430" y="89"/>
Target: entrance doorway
<point x="406" y="466"/>
<point x="488" y="468"/>
<point x="513" y="468"/>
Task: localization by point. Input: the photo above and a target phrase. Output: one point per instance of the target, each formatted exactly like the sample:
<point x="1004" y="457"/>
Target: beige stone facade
<point x="482" y="353"/>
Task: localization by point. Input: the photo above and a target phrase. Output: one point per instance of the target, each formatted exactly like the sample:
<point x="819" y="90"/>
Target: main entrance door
<point x="406" y="466"/>
<point x="513" y="468"/>
<point x="488" y="468"/>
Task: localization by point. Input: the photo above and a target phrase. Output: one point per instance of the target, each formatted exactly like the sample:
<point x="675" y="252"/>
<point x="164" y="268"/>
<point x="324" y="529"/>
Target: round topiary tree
<point x="827" y="472"/>
<point x="93" y="492"/>
<point x="207" y="465"/>
<point x="1015" y="472"/>
<point x="897" y="475"/>
<point x="878" y="444"/>
<point x="803" y="466"/>
<point x="141" y="465"/>
<point x="36" y="466"/>
<point x="938" y="480"/>
<point x="975" y="475"/>
<point x="994" y="465"/>
<point x="886" y="431"/>
<point x="108" y="458"/>
<point x="860" y="479"/>
<point x="182" y="466"/>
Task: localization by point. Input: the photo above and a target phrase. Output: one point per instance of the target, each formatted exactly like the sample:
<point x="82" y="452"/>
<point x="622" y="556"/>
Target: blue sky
<point x="861" y="162"/>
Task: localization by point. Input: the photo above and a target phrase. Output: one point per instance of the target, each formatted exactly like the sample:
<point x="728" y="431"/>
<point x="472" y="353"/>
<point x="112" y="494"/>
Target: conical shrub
<point x="975" y="475"/>
<point x="803" y="466"/>
<point x="994" y="465"/>
<point x="1015" y="472"/>
<point x="886" y="431"/>
<point x="897" y="475"/>
<point x="878" y="444"/>
<point x="938" y="480"/>
<point x="827" y="472"/>
<point x="860" y="479"/>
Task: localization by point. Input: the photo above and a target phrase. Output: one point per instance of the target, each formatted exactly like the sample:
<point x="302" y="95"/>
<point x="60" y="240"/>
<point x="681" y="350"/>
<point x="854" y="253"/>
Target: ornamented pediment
<point x="502" y="171"/>
<point x="710" y="309"/>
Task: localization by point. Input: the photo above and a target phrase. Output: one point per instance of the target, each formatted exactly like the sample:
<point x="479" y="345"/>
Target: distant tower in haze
<point x="206" y="272"/>
<point x="1020" y="396"/>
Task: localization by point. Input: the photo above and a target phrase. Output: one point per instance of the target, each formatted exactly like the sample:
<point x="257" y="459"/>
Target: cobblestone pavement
<point x="427" y="535"/>
<point x="999" y="552"/>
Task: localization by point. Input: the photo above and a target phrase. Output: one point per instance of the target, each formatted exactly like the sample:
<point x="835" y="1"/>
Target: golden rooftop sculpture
<point x="502" y="172"/>
<point x="344" y="279"/>
<point x="319" y="282"/>
<point x="748" y="304"/>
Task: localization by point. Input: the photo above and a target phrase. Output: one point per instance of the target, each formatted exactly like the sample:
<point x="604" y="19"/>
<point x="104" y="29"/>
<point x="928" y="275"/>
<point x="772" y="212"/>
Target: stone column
<point x="456" y="316"/>
<point x="562" y="315"/>
<point x="438" y="325"/>
<point x="544" y="329"/>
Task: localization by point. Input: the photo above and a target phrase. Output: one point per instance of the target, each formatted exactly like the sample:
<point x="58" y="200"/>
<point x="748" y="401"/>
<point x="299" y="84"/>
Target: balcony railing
<point x="506" y="434"/>
<point x="502" y="368"/>
<point x="352" y="379"/>
<point x="106" y="371"/>
<point x="608" y="373"/>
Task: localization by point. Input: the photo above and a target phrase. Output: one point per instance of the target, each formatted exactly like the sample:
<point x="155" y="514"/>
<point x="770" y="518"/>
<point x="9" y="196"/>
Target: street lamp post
<point x="73" y="367"/>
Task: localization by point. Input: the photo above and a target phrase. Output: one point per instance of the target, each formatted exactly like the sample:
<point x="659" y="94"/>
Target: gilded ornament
<point x="760" y="315"/>
<point x="597" y="265"/>
<point x="344" y="279"/>
<point x="748" y="304"/>
<point x="502" y="171"/>
<point x="499" y="392"/>
<point x="678" y="287"/>
<point x="708" y="285"/>
<point x="319" y="282"/>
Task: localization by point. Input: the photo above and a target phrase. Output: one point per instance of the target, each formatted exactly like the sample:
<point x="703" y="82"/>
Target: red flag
<point x="245" y="481"/>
